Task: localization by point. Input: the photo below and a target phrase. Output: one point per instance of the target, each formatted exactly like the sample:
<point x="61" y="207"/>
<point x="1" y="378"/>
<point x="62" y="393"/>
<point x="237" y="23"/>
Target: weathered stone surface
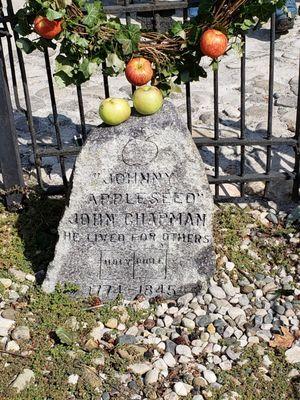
<point x="139" y="215"/>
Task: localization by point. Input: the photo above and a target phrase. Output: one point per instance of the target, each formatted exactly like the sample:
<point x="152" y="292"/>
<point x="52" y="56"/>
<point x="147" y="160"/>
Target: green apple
<point x="147" y="100"/>
<point x="114" y="111"/>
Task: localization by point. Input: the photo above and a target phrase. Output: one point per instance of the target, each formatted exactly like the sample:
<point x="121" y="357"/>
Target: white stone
<point x="209" y="376"/>
<point x="188" y="323"/>
<point x="133" y="331"/>
<point x="229" y="266"/>
<point x="140" y="368"/>
<point x="182" y="389"/>
<point x="229" y="331"/>
<point x="6" y="282"/>
<point x="98" y="332"/>
<point x="197" y="350"/>
<point x="160" y="365"/>
<point x="226" y="365"/>
<point x="235" y="312"/>
<point x="171" y="396"/>
<point x="229" y="289"/>
<point x="168" y="321"/>
<point x="23" y="380"/>
<point x="258" y="293"/>
<point x="217" y="292"/>
<point x="5" y="326"/>
<point x="161" y="309"/>
<point x="12" y="346"/>
<point x="293" y="355"/>
<point x="183" y="350"/>
<point x="151" y="376"/>
<point x="185" y="299"/>
<point x="30" y="278"/>
<point x="21" y="333"/>
<point x="169" y="360"/>
<point x="73" y="379"/>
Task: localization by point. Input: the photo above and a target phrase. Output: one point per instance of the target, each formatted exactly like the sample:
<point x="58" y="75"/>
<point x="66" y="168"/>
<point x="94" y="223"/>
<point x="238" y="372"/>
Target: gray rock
<point x="243" y="300"/>
<point x="9" y="313"/>
<point x="272" y="218"/>
<point x="170" y="347"/>
<point x="233" y="355"/>
<point x="185" y="299"/>
<point x="126" y="339"/>
<point x="279" y="309"/>
<point x="21" y="333"/>
<point x="203" y="321"/>
<point x="287" y="101"/>
<point x="139" y="215"/>
<point x="217" y="292"/>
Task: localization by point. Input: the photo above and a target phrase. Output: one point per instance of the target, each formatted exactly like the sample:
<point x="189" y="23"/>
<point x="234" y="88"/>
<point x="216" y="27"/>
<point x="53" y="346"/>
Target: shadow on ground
<point x="37" y="226"/>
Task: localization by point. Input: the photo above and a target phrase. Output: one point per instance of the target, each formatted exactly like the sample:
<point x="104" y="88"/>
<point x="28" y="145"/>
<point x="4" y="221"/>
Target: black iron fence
<point x="154" y="11"/>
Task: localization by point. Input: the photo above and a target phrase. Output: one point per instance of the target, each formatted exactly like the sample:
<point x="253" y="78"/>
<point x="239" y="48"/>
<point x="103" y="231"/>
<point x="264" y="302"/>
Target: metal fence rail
<point x="154" y="8"/>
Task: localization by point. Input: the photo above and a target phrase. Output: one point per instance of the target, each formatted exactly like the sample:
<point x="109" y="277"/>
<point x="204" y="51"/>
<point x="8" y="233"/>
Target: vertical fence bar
<point x="55" y="116"/>
<point x="128" y="22"/>
<point x="296" y="184"/>
<point x="29" y="117"/>
<point x="9" y="152"/>
<point x="105" y="81"/>
<point x="188" y="89"/>
<point x="81" y="112"/>
<point x="271" y="101"/>
<point x="216" y="130"/>
<point x="243" y="112"/>
<point x="11" y="62"/>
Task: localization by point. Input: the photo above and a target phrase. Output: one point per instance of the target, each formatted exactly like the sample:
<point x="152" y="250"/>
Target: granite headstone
<point x="139" y="218"/>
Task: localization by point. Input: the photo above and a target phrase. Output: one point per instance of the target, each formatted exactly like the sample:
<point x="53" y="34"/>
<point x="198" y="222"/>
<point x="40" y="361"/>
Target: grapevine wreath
<point x="87" y="38"/>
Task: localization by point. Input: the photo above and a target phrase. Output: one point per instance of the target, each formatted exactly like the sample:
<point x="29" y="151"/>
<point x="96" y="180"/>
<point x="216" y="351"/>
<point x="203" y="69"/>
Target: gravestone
<point x="139" y="218"/>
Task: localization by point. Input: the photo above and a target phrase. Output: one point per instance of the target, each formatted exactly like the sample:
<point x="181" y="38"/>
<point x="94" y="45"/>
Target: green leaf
<point x="177" y="30"/>
<point x="129" y="37"/>
<point x="94" y="14"/>
<point x="88" y="68"/>
<point x="26" y="45"/>
<point x="65" y="336"/>
<point x="52" y="14"/>
<point x="63" y="64"/>
<point x="113" y="61"/>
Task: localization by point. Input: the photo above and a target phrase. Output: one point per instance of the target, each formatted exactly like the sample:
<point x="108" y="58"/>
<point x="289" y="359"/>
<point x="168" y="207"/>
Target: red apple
<point x="213" y="43"/>
<point x="139" y="71"/>
<point x="47" y="29"/>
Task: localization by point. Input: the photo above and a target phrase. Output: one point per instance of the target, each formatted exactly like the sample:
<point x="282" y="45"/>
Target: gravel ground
<point x="237" y="339"/>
